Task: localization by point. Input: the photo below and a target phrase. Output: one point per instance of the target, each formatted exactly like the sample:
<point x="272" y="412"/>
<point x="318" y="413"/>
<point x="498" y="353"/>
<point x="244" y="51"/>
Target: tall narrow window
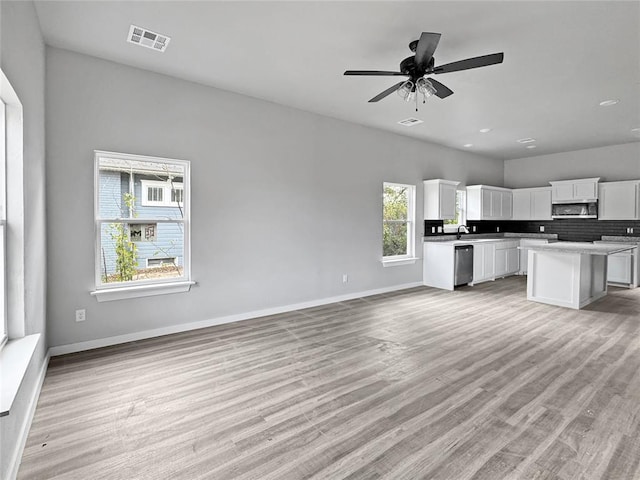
<point x="398" y="222"/>
<point x="142" y="222"/>
<point x="461" y="213"/>
<point x="3" y="218"/>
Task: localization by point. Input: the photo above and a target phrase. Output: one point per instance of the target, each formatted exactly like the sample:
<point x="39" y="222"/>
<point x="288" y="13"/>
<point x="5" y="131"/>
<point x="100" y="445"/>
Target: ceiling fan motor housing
<point x="408" y="67"/>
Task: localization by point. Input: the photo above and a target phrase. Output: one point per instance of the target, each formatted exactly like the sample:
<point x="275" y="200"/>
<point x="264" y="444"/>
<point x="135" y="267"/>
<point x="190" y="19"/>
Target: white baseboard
<point x="21" y="441"/>
<point x="158" y="332"/>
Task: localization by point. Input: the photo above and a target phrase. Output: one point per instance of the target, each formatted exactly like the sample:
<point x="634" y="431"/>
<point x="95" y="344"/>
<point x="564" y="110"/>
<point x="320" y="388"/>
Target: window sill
<point x="399" y="261"/>
<point x="136" y="291"/>
<point x="14" y="362"/>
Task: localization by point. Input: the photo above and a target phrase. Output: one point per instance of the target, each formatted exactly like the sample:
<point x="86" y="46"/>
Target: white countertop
<point x="583" y="248"/>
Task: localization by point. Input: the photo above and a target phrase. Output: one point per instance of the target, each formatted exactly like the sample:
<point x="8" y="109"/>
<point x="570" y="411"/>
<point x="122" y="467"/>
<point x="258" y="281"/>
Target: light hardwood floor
<point x="420" y="384"/>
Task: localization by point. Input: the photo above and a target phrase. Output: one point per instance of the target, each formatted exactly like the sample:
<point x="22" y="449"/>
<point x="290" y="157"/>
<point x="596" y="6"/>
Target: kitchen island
<point x="569" y="274"/>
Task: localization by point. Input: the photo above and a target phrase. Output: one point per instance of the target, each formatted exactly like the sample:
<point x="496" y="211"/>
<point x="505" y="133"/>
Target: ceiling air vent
<point x="410" y="122"/>
<point x="147" y="38"/>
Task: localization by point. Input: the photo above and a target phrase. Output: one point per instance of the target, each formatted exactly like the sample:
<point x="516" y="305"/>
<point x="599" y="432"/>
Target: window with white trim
<point x="142" y="223"/>
<point x="3" y="218"/>
<point x="161" y="194"/>
<point x="461" y="213"/>
<point x="398" y="222"/>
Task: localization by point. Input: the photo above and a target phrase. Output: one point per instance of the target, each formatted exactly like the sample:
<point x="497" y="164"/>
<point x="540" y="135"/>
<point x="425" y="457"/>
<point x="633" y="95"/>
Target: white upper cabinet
<point x="566" y="191"/>
<point x="489" y="203"/>
<point x="619" y="200"/>
<point x="532" y="203"/>
<point x="440" y="199"/>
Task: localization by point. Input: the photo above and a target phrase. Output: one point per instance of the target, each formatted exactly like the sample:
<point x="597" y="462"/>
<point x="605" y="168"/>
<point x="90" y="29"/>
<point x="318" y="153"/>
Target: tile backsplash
<point x="574" y="230"/>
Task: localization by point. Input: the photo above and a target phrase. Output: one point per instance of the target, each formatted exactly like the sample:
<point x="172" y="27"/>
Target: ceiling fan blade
<point x="474" y="62"/>
<point x="426" y="46"/>
<point x="388" y="91"/>
<point x="377" y="73"/>
<point x="442" y="91"/>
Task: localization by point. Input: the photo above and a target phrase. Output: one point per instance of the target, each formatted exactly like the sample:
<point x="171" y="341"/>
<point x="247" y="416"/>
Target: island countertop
<point x="582" y="248"/>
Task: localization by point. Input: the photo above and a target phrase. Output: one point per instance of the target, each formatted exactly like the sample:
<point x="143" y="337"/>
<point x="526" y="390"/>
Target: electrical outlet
<point x="474" y="229"/>
<point x="630" y="229"/>
<point x="498" y="229"/>
<point x="541" y="228"/>
<point x="439" y="229"/>
<point x="345" y="278"/>
<point x="81" y="315"/>
<point x="433" y="229"/>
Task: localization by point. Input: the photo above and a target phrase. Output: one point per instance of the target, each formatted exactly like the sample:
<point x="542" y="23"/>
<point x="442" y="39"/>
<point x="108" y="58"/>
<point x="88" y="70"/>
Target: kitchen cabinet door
<point x="619" y="268"/>
<point x="575" y="190"/>
<point x="496" y="204"/>
<point x="489" y="261"/>
<point x="585" y="190"/>
<point x="501" y="262"/>
<point x="506" y="200"/>
<point x="483" y="263"/>
<point x="563" y="192"/>
<point x="487" y="208"/>
<point x="440" y="199"/>
<point x="513" y="260"/>
<point x="522" y="205"/>
<point x="619" y="201"/>
<point x="541" y="204"/>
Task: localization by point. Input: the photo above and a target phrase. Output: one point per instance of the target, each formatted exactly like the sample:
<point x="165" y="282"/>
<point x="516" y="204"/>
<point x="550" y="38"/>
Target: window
<point x="142" y="226"/>
<point x="398" y="223"/>
<point x="461" y="213"/>
<point x="3" y="198"/>
<point x="161" y="194"/>
<point x="161" y="262"/>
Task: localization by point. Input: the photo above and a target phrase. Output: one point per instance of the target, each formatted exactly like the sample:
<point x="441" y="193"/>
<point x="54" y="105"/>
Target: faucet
<point x="466" y="230"/>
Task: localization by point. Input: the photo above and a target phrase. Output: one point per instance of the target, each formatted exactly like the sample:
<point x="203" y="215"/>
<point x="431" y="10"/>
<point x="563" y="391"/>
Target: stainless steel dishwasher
<point x="463" y="265"/>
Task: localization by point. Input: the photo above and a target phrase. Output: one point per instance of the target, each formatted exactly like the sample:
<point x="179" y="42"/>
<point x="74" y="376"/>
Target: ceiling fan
<point x="418" y="66"/>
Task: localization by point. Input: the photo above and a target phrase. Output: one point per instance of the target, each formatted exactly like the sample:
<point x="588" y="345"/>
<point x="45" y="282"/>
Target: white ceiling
<point x="561" y="60"/>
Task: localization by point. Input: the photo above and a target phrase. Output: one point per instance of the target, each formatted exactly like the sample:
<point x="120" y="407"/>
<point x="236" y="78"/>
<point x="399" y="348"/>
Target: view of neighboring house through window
<point x="461" y="213"/>
<point x="142" y="216"/>
<point x="3" y="202"/>
<point x="398" y="221"/>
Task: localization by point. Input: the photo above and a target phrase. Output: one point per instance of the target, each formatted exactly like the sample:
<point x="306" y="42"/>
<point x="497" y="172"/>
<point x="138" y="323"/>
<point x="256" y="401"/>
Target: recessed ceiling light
<point x="608" y="103"/>
<point x="468" y="145"/>
<point x="526" y="140"/>
<point x="530" y="146"/>
<point x="485" y="130"/>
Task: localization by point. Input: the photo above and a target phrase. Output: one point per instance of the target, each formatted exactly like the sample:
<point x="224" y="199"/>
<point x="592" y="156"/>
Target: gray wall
<point x="283" y="201"/>
<point x="617" y="162"/>
<point x="22" y="56"/>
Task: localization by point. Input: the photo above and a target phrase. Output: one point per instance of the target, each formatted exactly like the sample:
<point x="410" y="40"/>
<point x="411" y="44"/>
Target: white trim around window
<point x="106" y="287"/>
<point x="161" y="194"/>
<point x="409" y="257"/>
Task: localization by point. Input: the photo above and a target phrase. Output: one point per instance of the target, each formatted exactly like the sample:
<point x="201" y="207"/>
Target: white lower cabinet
<point x="484" y="255"/>
<point x="491" y="259"/>
<point x="507" y="258"/>
<point x="623" y="268"/>
<point x="619" y="268"/>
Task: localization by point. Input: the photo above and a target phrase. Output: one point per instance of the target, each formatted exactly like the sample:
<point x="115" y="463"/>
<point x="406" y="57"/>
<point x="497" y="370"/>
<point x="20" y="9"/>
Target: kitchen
<point x="508" y="230"/>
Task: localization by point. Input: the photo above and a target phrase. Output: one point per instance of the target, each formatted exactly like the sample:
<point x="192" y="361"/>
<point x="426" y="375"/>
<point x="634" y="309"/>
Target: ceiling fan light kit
<point x="422" y="64"/>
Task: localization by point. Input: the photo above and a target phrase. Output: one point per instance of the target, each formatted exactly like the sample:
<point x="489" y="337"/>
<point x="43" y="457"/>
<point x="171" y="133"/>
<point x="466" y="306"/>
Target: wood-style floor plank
<point x="475" y="384"/>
